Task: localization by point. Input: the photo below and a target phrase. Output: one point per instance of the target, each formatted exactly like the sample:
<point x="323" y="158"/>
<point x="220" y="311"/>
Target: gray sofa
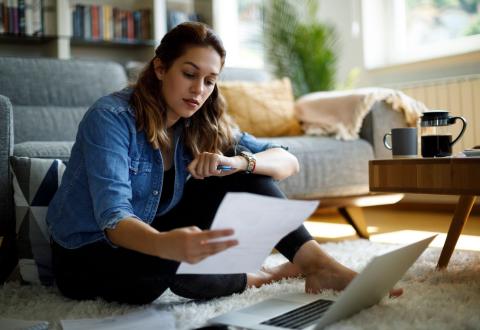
<point x="43" y="100"/>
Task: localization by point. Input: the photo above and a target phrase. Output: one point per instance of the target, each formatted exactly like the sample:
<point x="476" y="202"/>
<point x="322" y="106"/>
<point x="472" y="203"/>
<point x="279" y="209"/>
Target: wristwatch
<point x="251" y="161"/>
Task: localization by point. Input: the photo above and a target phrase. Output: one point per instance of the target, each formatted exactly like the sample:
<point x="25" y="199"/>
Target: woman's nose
<point x="197" y="87"/>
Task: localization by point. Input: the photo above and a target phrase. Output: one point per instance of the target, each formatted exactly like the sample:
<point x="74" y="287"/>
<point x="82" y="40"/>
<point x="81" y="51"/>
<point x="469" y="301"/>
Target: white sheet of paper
<point x="147" y="319"/>
<point x="259" y="223"/>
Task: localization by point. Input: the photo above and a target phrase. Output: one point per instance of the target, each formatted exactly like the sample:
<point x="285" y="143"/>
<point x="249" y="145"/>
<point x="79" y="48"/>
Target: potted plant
<point x="298" y="46"/>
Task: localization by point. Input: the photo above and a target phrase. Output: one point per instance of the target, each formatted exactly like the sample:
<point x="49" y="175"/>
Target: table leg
<point x="462" y="211"/>
<point x="354" y="216"/>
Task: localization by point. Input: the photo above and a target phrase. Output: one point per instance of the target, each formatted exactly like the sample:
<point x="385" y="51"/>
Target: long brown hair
<point x="210" y="128"/>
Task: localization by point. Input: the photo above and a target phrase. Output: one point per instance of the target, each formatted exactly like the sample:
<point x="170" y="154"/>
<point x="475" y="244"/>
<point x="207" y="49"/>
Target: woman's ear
<point x="158" y="68"/>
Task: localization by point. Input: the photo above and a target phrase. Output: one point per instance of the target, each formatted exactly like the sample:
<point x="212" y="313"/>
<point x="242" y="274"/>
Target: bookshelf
<point x="124" y="30"/>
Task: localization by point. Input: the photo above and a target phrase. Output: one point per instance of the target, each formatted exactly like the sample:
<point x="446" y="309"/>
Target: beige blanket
<point x="341" y="113"/>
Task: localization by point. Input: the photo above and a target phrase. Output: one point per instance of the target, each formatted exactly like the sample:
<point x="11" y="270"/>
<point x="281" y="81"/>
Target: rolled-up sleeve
<point x="254" y="145"/>
<point x="105" y="136"/>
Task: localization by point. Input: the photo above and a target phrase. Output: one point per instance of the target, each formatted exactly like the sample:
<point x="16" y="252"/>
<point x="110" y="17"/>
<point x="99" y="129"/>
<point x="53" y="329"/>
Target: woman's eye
<point x="210" y="82"/>
<point x="188" y="75"/>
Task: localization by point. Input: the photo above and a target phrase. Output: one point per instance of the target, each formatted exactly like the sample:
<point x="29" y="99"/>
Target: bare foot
<point x="269" y="275"/>
<point x="337" y="278"/>
<point x="331" y="275"/>
<point x="323" y="272"/>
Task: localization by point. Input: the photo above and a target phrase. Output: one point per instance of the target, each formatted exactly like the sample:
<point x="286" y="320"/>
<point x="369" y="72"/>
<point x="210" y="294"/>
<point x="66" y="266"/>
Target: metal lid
<point x="435" y="118"/>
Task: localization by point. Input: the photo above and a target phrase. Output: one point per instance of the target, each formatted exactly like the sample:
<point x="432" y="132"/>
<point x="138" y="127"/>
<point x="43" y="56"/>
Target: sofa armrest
<point x="6" y="150"/>
<point x="380" y="120"/>
<point x="6" y="125"/>
<point x="7" y="222"/>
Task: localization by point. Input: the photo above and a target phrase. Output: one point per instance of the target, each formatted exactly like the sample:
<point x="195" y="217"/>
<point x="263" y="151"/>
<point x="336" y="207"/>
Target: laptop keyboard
<point x="300" y="317"/>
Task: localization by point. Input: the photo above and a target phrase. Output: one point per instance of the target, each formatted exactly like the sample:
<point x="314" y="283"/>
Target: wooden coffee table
<point x="445" y="176"/>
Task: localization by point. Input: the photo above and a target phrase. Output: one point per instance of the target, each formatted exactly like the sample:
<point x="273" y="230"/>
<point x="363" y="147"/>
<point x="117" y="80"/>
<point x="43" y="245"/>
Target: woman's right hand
<point x="191" y="244"/>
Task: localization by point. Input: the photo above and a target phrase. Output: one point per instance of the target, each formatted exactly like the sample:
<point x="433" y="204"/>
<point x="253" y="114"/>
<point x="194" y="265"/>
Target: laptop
<point x="307" y="311"/>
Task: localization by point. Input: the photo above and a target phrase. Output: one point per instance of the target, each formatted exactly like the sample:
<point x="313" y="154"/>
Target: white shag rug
<point x="448" y="299"/>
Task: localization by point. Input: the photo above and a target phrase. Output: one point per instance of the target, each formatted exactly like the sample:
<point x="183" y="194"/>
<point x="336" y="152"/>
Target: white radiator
<point x="459" y="95"/>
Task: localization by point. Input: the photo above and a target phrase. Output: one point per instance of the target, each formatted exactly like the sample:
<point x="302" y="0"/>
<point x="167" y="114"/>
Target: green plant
<point x="474" y="28"/>
<point x="298" y="46"/>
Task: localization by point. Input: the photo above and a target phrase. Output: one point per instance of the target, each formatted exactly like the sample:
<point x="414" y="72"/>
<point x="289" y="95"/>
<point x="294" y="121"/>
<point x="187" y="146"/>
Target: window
<point x="398" y="31"/>
<point x="432" y="21"/>
<point x="239" y="24"/>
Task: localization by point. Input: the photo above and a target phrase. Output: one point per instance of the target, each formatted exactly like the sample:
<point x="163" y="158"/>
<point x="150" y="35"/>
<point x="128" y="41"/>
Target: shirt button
<point x="155" y="192"/>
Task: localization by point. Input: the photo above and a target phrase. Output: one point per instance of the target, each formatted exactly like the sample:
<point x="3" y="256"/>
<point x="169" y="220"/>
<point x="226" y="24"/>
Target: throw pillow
<point x="35" y="182"/>
<point x="262" y="108"/>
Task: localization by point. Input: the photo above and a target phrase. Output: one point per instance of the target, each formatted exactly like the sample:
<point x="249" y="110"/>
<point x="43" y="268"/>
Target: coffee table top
<point x="449" y="175"/>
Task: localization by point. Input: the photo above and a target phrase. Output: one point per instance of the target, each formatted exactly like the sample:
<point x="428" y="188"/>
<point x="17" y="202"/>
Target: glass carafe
<point x="436" y="135"/>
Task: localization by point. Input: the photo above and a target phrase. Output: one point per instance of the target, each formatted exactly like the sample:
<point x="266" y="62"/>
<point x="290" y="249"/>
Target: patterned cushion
<point x="262" y="108"/>
<point x="35" y="181"/>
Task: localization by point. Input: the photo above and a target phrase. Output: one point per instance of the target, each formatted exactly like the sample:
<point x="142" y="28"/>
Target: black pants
<point x="127" y="276"/>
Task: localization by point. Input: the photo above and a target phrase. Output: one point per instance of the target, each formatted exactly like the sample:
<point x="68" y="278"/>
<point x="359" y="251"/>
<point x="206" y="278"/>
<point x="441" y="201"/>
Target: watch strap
<point x="251" y="161"/>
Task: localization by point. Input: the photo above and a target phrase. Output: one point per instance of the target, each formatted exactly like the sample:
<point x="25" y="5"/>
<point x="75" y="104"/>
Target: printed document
<point x="259" y="223"/>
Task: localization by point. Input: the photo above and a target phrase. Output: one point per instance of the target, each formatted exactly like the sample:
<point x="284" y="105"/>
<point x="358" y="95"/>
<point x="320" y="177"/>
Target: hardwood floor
<point x="395" y="224"/>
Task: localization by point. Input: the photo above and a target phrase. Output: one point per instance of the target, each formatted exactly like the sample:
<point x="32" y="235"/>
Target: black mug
<point x="403" y="142"/>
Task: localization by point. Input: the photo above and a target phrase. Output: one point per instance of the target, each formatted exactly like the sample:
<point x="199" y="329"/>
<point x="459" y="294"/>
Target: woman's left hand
<point x="206" y="163"/>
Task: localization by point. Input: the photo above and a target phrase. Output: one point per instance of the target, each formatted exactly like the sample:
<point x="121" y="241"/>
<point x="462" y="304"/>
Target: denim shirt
<point x="114" y="173"/>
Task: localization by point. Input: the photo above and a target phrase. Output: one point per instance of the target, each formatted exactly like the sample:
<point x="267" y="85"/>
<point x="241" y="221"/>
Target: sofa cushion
<point x="35" y="182"/>
<point x="44" y="149"/>
<point x="43" y="123"/>
<point x="328" y="167"/>
<point x="54" y="82"/>
<point x="262" y="108"/>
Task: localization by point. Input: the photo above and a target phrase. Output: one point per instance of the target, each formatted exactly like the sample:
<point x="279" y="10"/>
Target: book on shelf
<point x="28" y="17"/>
<point x="117" y="26"/>
<point x="37" y="22"/>
<point x="87" y="23"/>
<point x="107" y="22"/>
<point x="94" y="17"/>
<point x="77" y="20"/>
<point x="13" y="13"/>
<point x="21" y="16"/>
<point x="100" y="22"/>
<point x="104" y="22"/>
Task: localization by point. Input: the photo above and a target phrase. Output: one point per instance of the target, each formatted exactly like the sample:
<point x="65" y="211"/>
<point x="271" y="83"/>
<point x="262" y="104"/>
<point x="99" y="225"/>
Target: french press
<point x="436" y="138"/>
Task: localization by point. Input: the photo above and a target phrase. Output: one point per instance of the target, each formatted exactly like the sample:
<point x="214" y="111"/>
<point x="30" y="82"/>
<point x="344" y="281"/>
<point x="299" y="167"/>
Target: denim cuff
<point x="276" y="145"/>
<point x="112" y="222"/>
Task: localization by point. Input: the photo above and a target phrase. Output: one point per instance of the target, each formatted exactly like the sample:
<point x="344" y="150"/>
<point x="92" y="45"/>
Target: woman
<point x="142" y="186"/>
